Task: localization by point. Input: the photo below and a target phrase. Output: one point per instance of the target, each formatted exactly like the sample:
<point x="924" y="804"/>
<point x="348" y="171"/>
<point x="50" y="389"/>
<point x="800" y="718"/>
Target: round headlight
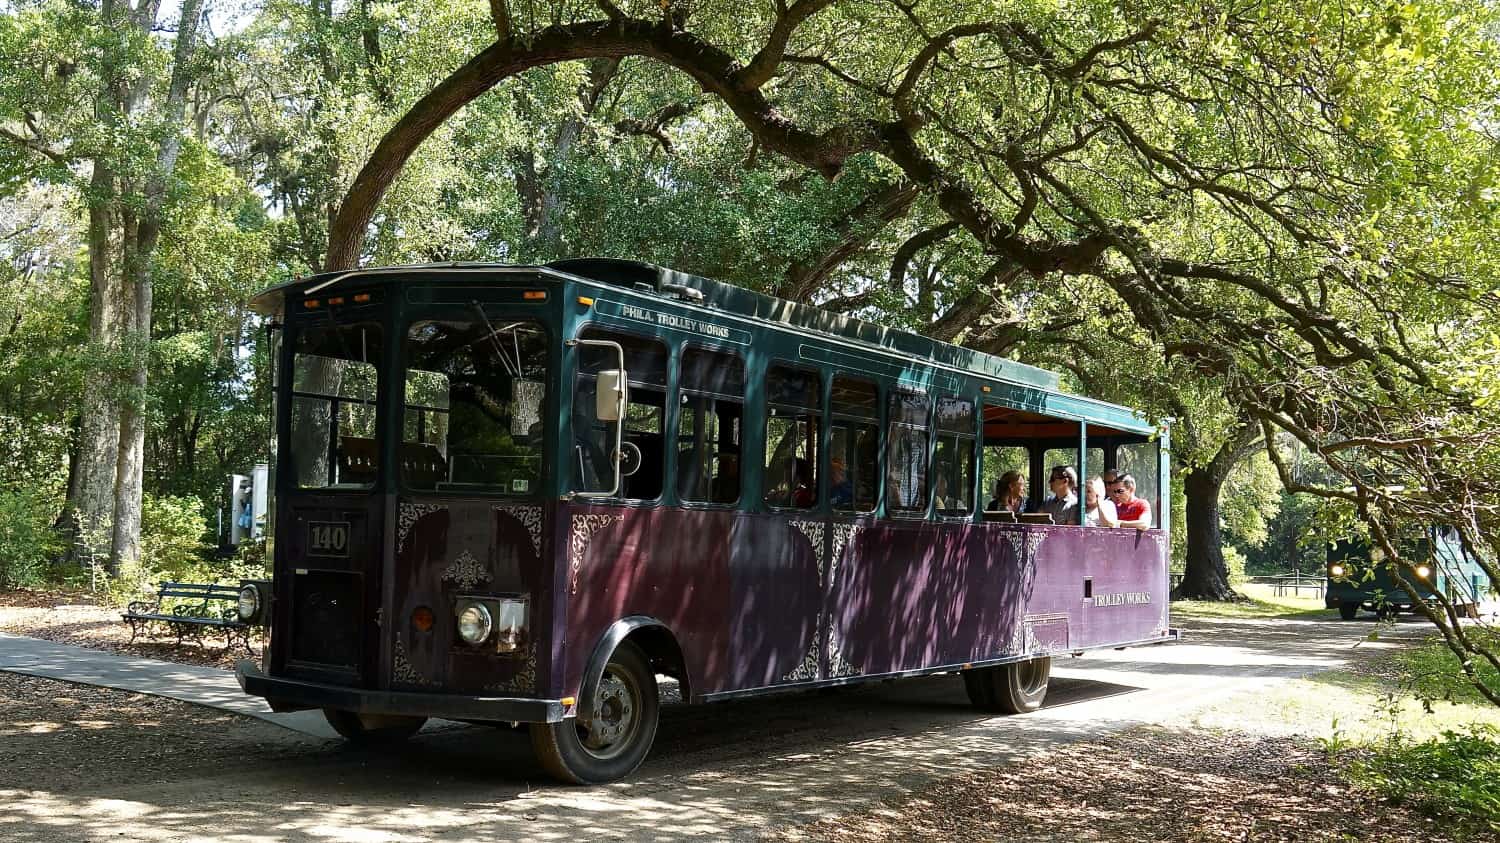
<point x="249" y="602"/>
<point x="1336" y="570"/>
<point x="475" y="623"/>
<point x="1423" y="571"/>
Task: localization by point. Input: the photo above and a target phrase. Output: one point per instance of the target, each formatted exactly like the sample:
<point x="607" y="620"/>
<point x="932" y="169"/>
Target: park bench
<point x="196" y="608"/>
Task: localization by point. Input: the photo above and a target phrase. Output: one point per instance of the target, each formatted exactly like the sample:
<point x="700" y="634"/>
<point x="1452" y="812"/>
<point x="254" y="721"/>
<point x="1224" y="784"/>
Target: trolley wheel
<point x="372" y="729"/>
<point x="979" y="683"/>
<point x="1015" y="688"/>
<point x="612" y="733"/>
<point x="1020" y="687"/>
<point x="1348" y="611"/>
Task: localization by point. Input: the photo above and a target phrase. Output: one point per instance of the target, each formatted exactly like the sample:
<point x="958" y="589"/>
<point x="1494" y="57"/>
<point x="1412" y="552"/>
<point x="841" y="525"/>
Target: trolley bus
<point x="1360" y="576"/>
<point x="523" y="493"/>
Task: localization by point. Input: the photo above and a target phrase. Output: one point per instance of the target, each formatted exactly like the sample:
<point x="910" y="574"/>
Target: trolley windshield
<point x="472" y="419"/>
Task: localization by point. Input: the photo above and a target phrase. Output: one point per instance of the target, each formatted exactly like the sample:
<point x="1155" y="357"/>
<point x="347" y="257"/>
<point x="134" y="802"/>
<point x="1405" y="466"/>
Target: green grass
<point x="1434" y="672"/>
<point x="1263" y="603"/>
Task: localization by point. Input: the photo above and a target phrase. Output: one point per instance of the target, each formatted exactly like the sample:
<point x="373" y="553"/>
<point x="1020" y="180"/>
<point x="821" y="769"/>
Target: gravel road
<point x="736" y="770"/>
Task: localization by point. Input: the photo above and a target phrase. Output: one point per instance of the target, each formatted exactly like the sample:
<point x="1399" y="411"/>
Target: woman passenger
<point x="1010" y="494"/>
<point x="1098" y="511"/>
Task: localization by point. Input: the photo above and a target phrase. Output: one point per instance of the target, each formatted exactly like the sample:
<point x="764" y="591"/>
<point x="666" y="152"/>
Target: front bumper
<point x="292" y="694"/>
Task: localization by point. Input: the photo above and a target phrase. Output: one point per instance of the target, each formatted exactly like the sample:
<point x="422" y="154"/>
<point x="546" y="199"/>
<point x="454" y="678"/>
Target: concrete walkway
<point x="206" y="686"/>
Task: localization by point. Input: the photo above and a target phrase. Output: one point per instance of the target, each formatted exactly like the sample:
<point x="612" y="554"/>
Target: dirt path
<point x="738" y="770"/>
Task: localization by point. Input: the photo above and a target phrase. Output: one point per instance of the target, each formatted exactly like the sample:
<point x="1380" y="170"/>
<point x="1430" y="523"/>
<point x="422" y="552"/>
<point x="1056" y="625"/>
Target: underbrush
<point x="1448" y="771"/>
<point x="1454" y="777"/>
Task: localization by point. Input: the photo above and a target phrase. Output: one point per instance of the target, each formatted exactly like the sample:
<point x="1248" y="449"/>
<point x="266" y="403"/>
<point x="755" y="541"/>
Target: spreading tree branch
<point x="763" y="66"/>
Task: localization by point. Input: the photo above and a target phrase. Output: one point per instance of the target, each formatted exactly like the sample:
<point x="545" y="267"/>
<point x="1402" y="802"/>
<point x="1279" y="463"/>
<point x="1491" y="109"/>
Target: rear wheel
<point x="979" y="684"/>
<point x="1015" y="688"/>
<point x="1022" y="686"/>
<point x="1348" y="611"/>
<point x="612" y="733"/>
<point x="372" y="729"/>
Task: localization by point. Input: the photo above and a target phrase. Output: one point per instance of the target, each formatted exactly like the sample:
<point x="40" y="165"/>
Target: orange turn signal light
<point x="568" y="700"/>
<point x="421" y="618"/>
<point x="585" y="301"/>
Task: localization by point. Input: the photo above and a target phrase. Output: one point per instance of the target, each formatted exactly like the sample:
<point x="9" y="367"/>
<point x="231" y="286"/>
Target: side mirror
<point x="612" y="393"/>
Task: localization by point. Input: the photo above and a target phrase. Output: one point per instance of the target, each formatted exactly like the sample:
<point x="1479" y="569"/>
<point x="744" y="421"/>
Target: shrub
<point x="250" y="562"/>
<point x="172" y="546"/>
<point x="1234" y="564"/>
<point x="1454" y="777"/>
<point x="28" y="543"/>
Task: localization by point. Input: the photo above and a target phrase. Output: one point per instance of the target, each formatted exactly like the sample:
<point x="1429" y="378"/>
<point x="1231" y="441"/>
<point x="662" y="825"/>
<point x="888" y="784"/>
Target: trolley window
<point x="1141" y="462"/>
<point x="854" y="445"/>
<point x="712" y="388"/>
<point x="1000" y="461"/>
<point x="646" y="364"/>
<point x="793" y="400"/>
<point x="906" y="454"/>
<point x="953" y="458"/>
<point x="334" y="379"/>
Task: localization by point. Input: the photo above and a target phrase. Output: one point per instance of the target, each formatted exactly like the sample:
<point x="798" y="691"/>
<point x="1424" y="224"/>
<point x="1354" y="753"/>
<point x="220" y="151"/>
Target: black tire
<point x="1015" y="688"/>
<point x="1020" y="687"/>
<point x="1348" y="611"/>
<point x="578" y="751"/>
<point x="372" y="729"/>
<point x="979" y="683"/>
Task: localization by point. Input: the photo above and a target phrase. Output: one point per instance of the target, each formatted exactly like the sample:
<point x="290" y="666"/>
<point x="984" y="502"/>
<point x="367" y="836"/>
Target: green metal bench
<point x="195" y="608"/>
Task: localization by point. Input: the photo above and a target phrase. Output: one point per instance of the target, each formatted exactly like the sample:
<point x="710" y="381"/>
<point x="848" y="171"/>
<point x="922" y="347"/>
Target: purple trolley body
<point x="759" y="602"/>
<point x="599" y="592"/>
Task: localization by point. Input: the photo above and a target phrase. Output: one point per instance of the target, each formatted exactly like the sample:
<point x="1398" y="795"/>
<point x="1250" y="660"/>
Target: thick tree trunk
<point x="1206" y="576"/>
<point x="93" y="490"/>
<point x="130" y="473"/>
<point x="123" y="233"/>
<point x="143" y="234"/>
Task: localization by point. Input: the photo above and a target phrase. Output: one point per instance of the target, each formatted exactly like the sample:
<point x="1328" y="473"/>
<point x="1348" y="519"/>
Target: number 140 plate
<point x="328" y="538"/>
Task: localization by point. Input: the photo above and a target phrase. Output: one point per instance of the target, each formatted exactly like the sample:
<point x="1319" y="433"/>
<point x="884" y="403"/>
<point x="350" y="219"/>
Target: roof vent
<point x="622" y="273"/>
<point x="683" y="292"/>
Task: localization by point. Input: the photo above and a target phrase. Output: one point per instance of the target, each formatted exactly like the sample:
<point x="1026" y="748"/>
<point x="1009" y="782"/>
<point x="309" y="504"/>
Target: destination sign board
<point x="661" y="319"/>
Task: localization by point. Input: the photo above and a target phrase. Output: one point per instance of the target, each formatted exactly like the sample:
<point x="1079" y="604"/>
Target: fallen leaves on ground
<point x="57" y="736"/>
<point x="1150" y="784"/>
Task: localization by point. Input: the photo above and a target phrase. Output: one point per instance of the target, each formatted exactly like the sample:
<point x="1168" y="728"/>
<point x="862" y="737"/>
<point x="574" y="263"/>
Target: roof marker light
<point x="984" y="389"/>
<point x="336" y="300"/>
<point x="361" y="298"/>
<point x="534" y="295"/>
<point x="310" y="304"/>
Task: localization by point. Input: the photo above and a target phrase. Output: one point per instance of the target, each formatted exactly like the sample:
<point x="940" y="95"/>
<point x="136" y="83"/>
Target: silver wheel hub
<point x="614" y="715"/>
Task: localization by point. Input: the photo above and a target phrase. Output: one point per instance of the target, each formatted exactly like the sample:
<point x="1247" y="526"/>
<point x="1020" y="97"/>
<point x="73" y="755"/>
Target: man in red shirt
<point x="1132" y="511"/>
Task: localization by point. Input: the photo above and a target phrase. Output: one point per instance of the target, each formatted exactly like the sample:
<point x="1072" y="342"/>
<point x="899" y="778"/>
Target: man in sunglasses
<point x="1132" y="511"/>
